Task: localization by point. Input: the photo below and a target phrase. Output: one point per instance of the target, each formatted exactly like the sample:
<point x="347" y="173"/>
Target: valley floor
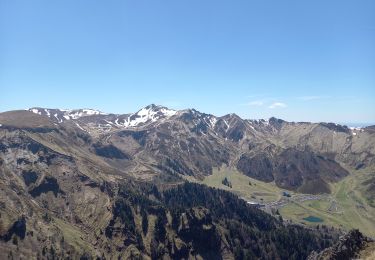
<point x="346" y="207"/>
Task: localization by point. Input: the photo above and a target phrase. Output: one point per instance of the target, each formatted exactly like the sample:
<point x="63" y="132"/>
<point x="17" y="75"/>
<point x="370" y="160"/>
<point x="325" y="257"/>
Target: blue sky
<point x="296" y="60"/>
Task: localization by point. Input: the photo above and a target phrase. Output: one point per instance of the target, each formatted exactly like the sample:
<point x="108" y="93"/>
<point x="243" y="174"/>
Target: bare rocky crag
<point x="350" y="246"/>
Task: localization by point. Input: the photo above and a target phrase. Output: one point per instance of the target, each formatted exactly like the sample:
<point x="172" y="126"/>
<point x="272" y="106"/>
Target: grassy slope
<point x="240" y="185"/>
<point x="353" y="209"/>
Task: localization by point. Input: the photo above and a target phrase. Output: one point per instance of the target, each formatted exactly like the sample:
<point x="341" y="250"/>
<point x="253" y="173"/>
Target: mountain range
<point x="297" y="156"/>
<point x="86" y="184"/>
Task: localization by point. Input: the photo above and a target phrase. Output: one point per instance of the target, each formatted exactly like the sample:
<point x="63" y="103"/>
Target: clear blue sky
<point x="297" y="60"/>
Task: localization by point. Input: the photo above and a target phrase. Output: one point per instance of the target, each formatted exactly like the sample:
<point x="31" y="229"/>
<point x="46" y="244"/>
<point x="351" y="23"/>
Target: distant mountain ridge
<point x="152" y="113"/>
<point x="149" y="113"/>
<point x="190" y="142"/>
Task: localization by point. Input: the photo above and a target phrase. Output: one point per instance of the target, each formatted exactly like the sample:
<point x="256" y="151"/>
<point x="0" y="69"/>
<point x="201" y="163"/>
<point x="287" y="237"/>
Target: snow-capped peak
<point x="152" y="110"/>
<point x="148" y="114"/>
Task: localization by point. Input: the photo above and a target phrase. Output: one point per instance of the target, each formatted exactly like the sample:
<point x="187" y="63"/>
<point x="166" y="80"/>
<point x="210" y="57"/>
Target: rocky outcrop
<point x="259" y="167"/>
<point x="348" y="247"/>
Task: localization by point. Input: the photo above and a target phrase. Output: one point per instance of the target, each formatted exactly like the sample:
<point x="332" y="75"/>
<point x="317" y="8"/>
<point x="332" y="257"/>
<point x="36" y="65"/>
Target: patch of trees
<point x="110" y="151"/>
<point x="249" y="232"/>
<point x="18" y="229"/>
<point x="48" y="184"/>
<point x="226" y="182"/>
<point x="175" y="167"/>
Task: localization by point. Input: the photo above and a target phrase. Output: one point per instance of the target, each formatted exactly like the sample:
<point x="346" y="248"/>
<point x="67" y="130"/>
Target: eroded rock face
<point x="293" y="169"/>
<point x="40" y="181"/>
<point x="259" y="167"/>
<point x="348" y="247"/>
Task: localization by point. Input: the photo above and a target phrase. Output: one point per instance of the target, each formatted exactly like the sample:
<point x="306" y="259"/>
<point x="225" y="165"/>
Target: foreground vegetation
<point x="193" y="219"/>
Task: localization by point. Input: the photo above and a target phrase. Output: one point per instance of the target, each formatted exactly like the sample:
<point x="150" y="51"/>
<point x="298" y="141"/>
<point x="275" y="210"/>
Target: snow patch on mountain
<point x="35" y="111"/>
<point x="210" y="120"/>
<point x="75" y="114"/>
<point x="149" y="114"/>
<point x="67" y="114"/>
<point x="59" y="120"/>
